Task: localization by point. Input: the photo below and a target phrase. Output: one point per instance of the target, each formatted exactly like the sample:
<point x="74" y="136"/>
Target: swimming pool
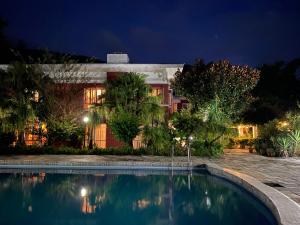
<point x="138" y="198"/>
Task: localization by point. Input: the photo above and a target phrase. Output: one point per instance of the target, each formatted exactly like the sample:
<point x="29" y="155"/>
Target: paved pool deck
<point x="284" y="172"/>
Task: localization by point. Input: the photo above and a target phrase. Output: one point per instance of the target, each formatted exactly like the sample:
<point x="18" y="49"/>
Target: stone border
<point x="114" y="165"/>
<point x="286" y="211"/>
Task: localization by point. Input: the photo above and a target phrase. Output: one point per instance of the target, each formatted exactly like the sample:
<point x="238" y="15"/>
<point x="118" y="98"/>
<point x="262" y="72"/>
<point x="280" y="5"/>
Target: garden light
<point x="86" y="119"/>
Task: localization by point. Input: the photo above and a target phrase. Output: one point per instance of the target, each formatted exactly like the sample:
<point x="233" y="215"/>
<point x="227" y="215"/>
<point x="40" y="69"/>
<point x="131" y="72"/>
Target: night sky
<point x="243" y="31"/>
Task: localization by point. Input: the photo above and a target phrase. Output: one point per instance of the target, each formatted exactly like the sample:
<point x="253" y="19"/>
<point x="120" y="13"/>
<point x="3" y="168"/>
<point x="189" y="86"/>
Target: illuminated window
<point x="35" y="133"/>
<point x="157" y="92"/>
<point x="100" y="135"/>
<point x="31" y="139"/>
<point x="93" y="96"/>
<point x="137" y="142"/>
<point x="175" y="107"/>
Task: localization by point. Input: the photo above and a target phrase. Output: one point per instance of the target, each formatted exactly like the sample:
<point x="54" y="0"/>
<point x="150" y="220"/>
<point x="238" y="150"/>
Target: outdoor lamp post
<point x="190" y="139"/>
<point x="176" y="139"/>
<point x="85" y="120"/>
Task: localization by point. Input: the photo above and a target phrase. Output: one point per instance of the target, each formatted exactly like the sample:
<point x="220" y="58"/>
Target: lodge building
<point x="92" y="86"/>
<point x="157" y="76"/>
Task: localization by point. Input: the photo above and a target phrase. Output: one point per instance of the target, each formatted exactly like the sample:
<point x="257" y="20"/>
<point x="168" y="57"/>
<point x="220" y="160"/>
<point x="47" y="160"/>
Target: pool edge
<point x="285" y="210"/>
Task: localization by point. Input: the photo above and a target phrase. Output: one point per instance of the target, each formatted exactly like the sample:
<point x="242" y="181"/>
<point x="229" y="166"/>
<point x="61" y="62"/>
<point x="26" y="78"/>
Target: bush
<point x="35" y="150"/>
<point x="294" y="137"/>
<point x="280" y="138"/>
<point x="282" y="145"/>
<point x="125" y="126"/>
<point x="7" y="139"/>
<point x="65" y="133"/>
<point x="202" y="149"/>
<point x="157" y="140"/>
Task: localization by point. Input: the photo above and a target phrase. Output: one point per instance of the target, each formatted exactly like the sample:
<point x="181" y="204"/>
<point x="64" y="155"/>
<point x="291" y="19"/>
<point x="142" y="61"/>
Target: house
<point x="156" y="75"/>
<point x="92" y="86"/>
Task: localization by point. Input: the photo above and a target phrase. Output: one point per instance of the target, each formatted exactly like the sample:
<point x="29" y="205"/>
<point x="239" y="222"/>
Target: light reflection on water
<point x="40" y="198"/>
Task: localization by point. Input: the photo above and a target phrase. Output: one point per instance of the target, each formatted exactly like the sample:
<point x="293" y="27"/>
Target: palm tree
<point x="153" y="113"/>
<point x="20" y="84"/>
<point x="96" y="115"/>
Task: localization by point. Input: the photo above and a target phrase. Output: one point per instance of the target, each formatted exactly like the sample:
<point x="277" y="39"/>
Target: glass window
<point x="93" y="96"/>
<point x="157" y="92"/>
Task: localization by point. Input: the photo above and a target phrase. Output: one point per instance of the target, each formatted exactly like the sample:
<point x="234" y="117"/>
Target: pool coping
<point x="285" y="210"/>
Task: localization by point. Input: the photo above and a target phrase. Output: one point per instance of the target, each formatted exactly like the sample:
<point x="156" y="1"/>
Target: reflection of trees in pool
<point x="206" y="194"/>
<point x="160" y="199"/>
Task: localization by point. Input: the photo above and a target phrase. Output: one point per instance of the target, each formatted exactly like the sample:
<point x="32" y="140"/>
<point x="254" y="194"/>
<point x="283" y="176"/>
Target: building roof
<point x="97" y="73"/>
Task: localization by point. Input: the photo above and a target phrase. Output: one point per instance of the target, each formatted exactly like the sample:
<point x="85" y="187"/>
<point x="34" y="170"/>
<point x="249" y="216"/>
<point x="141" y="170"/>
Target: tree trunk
<point x="21" y="138"/>
<point x="130" y="144"/>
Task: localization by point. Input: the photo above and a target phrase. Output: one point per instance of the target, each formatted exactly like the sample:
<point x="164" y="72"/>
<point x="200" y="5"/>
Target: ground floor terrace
<point x="282" y="174"/>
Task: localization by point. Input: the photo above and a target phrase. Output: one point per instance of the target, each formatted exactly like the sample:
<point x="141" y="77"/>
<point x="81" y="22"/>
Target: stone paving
<point x="285" y="172"/>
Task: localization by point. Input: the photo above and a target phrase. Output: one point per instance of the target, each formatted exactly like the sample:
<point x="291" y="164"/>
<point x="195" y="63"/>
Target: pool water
<point x="110" y="199"/>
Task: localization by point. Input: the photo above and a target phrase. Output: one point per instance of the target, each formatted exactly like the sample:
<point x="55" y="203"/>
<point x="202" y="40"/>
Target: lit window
<point x="93" y="96"/>
<point x="158" y="92"/>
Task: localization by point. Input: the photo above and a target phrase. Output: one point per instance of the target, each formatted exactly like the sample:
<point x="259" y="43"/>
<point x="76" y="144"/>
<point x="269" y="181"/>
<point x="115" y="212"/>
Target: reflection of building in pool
<point x="89" y="206"/>
<point x="33" y="179"/>
<point x="86" y="207"/>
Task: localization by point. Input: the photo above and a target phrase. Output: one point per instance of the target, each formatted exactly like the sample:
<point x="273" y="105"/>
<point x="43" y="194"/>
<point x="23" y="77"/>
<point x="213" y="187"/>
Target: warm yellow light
<point x="177" y="139"/>
<point x="86" y="119"/>
<point x="83" y="192"/>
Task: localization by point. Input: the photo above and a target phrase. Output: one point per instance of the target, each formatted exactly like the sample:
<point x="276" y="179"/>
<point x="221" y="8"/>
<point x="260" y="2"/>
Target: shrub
<point x="157" y="140"/>
<point x="7" y="139"/>
<point x="282" y="144"/>
<point x="294" y="137"/>
<point x="202" y="149"/>
<point x="125" y="126"/>
<point x="65" y="133"/>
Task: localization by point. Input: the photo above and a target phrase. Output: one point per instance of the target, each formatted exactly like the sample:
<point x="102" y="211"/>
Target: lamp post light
<point x="190" y="139"/>
<point x="176" y="139"/>
<point x="85" y="120"/>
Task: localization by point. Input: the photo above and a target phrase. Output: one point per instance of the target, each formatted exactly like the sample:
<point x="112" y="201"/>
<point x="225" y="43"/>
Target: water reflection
<point x="39" y="198"/>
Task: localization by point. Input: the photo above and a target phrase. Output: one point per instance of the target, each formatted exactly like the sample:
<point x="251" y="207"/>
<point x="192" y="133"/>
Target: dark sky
<point x="243" y="31"/>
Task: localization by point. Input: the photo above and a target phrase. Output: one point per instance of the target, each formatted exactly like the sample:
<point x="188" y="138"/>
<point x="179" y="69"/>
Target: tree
<point x="201" y="83"/>
<point x="125" y="126"/>
<point x="20" y="84"/>
<point x="129" y="92"/>
<point x="62" y="108"/>
<point x="127" y="98"/>
<point x="185" y="123"/>
<point x="218" y="93"/>
<point x="277" y="92"/>
<point x="96" y="115"/>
